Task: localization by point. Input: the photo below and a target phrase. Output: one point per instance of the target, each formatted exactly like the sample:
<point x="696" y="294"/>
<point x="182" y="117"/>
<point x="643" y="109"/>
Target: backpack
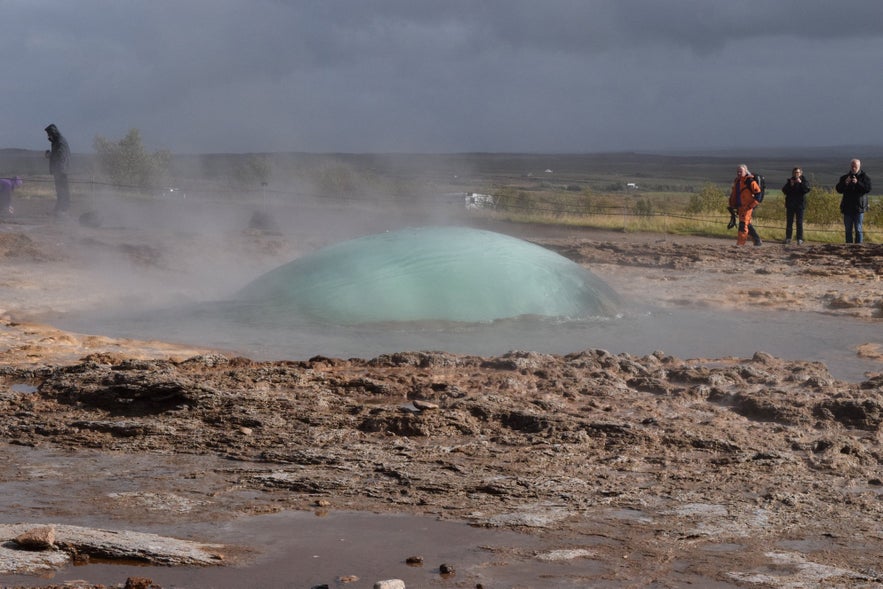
<point x="761" y="183"/>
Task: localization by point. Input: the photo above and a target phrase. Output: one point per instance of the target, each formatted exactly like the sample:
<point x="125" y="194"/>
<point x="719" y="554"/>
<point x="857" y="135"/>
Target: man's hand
<point x="732" y="222"/>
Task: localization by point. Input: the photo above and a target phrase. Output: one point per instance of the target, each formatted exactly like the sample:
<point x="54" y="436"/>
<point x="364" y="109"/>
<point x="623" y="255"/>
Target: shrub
<point x="823" y="206"/>
<point x="644" y="208"/>
<point x="874" y="216"/>
<point x="710" y="199"/>
<point x="252" y="171"/>
<point x="513" y="199"/>
<point x="335" y="179"/>
<point x="125" y="162"/>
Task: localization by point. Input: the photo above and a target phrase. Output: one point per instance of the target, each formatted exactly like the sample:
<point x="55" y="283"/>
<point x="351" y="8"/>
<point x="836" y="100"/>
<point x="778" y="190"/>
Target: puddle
<point x="635" y="515"/>
<point x="301" y="549"/>
<point x="728" y="547"/>
<point x="192" y="498"/>
<point x="807" y="545"/>
<point x="23" y="388"/>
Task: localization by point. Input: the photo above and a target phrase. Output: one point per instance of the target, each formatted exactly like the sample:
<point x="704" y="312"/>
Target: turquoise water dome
<point x="431" y="274"/>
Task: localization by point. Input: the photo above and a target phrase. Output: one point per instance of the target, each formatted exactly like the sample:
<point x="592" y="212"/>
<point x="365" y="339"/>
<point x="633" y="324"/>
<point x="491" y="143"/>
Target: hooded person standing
<point x="742" y="204"/>
<point x="59" y="162"/>
<point x="854" y="186"/>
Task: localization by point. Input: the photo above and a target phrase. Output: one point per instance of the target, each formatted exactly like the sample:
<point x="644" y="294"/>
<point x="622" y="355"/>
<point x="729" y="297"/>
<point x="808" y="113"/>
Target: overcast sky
<point x="435" y="76"/>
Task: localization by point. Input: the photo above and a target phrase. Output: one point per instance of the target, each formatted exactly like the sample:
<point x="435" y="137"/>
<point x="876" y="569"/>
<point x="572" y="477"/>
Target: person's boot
<point x="757" y="240"/>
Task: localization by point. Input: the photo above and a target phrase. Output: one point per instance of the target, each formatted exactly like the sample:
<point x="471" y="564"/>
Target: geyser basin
<point x="427" y="274"/>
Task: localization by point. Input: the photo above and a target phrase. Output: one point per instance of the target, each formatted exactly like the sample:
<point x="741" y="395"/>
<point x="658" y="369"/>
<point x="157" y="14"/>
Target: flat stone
<point x="106" y="544"/>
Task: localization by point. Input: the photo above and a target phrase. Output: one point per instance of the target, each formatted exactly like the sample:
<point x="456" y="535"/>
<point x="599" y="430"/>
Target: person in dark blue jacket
<point x="854" y="186"/>
<point x="59" y="163"/>
<point x="795" y="190"/>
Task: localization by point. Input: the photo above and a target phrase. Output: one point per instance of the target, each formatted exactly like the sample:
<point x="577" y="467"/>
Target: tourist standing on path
<point x="59" y="162"/>
<point x="742" y="203"/>
<point x="795" y="190"/>
<point x="854" y="186"/>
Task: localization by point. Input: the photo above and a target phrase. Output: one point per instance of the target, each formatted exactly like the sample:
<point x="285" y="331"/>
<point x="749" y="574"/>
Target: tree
<point x="127" y="163"/>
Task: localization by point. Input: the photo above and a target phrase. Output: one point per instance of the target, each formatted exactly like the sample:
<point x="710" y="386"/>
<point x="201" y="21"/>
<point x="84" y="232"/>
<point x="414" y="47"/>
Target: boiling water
<point x="263" y="324"/>
<point x="429" y="273"/>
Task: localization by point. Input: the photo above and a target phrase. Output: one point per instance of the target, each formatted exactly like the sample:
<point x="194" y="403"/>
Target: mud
<point x="624" y="470"/>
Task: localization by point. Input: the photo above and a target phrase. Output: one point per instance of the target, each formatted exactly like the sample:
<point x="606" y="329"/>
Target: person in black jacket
<point x="854" y="186"/>
<point x="795" y="190"/>
<point x="59" y="162"/>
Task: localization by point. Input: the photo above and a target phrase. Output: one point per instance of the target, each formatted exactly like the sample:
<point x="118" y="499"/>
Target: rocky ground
<point x="661" y="471"/>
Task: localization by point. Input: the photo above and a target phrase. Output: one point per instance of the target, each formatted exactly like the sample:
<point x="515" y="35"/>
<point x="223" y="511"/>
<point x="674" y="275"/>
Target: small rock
<point x="91" y="219"/>
<point x="262" y="220"/>
<point x="414" y="560"/>
<point x="140" y="583"/>
<point x="424" y="405"/>
<point x="77" y="557"/>
<point x="447" y="569"/>
<point x="390" y="584"/>
<point x="322" y="503"/>
<point x="39" y="538"/>
<point x="246" y="431"/>
<point x="347" y="579"/>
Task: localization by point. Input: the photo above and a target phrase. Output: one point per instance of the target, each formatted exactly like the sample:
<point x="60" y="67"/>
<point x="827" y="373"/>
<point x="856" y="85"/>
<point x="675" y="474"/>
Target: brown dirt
<point x="742" y="472"/>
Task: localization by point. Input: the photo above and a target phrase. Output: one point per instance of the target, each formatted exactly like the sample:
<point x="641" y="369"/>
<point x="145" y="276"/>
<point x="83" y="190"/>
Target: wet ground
<point x="582" y="467"/>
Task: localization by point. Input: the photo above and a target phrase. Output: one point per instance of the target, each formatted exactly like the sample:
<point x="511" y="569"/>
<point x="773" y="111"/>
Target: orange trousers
<point x="744" y="226"/>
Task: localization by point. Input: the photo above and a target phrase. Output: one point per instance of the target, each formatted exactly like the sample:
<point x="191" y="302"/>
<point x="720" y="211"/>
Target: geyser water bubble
<point x="434" y="273"/>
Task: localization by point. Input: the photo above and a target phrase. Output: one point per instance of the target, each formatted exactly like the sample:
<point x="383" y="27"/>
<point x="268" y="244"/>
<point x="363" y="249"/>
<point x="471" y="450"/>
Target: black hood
<point x="52" y="131"/>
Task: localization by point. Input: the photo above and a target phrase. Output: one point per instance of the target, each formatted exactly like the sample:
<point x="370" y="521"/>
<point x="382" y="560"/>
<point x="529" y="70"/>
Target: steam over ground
<point x="204" y="239"/>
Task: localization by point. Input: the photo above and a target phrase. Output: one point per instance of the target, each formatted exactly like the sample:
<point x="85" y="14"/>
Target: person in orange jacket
<point x="742" y="203"/>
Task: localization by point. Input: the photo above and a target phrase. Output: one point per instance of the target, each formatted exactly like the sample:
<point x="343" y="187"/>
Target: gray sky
<point x="443" y="75"/>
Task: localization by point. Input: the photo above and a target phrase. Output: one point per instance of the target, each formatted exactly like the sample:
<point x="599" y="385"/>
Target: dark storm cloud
<point x="459" y="75"/>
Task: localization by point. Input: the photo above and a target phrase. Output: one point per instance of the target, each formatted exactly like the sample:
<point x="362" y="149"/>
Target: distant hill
<point x="672" y="171"/>
<point x="22" y="162"/>
<point x="835" y="151"/>
<point x="16" y="151"/>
